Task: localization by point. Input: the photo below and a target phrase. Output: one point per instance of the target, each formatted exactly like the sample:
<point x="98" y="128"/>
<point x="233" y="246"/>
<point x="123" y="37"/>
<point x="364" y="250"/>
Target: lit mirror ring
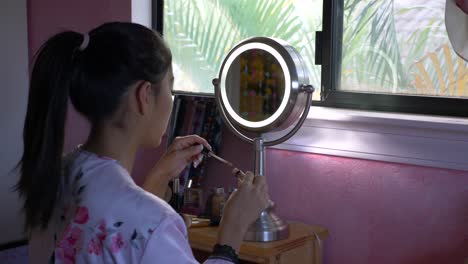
<point x="255" y="85"/>
<point x="294" y="73"/>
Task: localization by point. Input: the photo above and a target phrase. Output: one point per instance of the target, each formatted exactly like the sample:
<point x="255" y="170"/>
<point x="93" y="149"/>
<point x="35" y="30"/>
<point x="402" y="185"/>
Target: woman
<point x="85" y="205"/>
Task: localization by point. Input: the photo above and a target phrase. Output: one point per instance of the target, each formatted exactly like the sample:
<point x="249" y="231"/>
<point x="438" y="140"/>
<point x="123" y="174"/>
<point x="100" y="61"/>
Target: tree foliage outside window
<point x="400" y="47"/>
<point x="201" y="33"/>
<point x="389" y="46"/>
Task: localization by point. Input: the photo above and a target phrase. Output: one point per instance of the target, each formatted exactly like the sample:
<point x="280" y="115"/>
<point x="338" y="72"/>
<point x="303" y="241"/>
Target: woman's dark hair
<point x="95" y="79"/>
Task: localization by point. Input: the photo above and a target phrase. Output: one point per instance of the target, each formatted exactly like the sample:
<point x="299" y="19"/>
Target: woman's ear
<point x="144" y="97"/>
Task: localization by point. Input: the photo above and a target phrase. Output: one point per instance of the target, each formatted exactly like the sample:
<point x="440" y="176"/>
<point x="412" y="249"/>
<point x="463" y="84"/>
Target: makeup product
<point x="175" y="201"/>
<point x="192" y="221"/>
<point x="193" y="197"/>
<point x="199" y="222"/>
<point x="219" y="199"/>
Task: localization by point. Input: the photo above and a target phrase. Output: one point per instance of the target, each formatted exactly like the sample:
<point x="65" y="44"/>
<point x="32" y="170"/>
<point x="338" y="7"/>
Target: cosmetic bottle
<point x="219" y="199"/>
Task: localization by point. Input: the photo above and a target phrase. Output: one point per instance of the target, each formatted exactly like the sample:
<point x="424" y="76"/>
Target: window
<point x="400" y="47"/>
<point x="389" y="55"/>
<point x="201" y="33"/>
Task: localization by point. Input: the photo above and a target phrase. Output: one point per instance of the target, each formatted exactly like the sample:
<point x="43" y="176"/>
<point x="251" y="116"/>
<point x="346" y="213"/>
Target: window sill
<point x="402" y="138"/>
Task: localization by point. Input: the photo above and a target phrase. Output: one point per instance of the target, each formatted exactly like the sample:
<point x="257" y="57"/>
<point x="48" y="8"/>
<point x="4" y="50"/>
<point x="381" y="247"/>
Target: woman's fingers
<point x="260" y="184"/>
<point x="189" y="148"/>
<point x="259" y="180"/>
<point x="191" y="153"/>
<point x="265" y="201"/>
<point x="181" y="143"/>
<point x="264" y="188"/>
<point x="248" y="179"/>
<point x="239" y="182"/>
<point x="238" y="174"/>
<point x="197" y="160"/>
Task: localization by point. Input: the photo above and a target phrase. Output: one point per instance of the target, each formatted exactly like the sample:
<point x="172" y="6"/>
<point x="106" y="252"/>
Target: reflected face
<point x="255" y="85"/>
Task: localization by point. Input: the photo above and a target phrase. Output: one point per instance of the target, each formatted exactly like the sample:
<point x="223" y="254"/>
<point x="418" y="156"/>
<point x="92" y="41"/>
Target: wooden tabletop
<point x="204" y="238"/>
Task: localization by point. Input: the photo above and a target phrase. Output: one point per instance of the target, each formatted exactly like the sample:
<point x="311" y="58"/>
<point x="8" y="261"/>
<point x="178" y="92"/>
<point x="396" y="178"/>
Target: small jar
<point x="218" y="201"/>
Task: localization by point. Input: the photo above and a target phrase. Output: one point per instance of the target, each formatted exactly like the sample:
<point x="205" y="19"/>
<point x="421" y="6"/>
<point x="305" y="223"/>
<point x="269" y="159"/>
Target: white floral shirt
<point x="107" y="218"/>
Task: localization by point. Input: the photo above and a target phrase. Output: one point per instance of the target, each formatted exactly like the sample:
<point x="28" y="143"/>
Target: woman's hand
<point x="183" y="151"/>
<point x="242" y="209"/>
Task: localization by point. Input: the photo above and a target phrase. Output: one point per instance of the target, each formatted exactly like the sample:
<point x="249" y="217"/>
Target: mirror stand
<point x="263" y="88"/>
<point x="269" y="226"/>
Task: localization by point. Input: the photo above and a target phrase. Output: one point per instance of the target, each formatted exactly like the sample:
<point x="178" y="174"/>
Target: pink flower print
<point x="81" y="215"/>
<point x="66" y="257"/>
<point x="70" y="236"/>
<point x="63" y="243"/>
<point x="102" y="225"/>
<point x="117" y="243"/>
<point x="59" y="254"/>
<point x="69" y="255"/>
<point x="73" y="236"/>
<point x="102" y="230"/>
<point x="66" y="249"/>
<point x="96" y="244"/>
<point x="95" y="247"/>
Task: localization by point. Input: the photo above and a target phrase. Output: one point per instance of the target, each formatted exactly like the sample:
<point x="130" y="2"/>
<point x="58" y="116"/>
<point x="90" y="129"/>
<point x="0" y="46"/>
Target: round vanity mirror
<point x="263" y="87"/>
<point x="260" y="85"/>
<point x="255" y="87"/>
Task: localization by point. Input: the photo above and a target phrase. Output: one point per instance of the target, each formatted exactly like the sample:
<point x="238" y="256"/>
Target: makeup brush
<point x="209" y="153"/>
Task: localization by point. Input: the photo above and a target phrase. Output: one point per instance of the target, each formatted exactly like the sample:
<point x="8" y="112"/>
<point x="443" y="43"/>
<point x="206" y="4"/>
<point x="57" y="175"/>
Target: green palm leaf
<point x="372" y="58"/>
<point x="277" y="19"/>
<point x="202" y="32"/>
<point x="197" y="43"/>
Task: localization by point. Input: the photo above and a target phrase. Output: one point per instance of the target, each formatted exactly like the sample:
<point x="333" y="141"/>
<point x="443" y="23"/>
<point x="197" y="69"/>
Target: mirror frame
<point x="295" y="74"/>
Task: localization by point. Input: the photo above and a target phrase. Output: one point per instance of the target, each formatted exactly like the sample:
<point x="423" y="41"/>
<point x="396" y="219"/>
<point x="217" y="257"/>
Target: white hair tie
<point x="85" y="42"/>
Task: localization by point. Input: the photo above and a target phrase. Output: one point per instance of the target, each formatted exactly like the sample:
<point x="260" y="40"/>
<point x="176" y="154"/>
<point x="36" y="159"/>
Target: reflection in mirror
<point x="255" y="85"/>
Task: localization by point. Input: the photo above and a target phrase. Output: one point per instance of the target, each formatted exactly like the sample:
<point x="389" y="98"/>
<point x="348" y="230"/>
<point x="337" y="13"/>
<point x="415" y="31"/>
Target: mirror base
<point x="269" y="227"/>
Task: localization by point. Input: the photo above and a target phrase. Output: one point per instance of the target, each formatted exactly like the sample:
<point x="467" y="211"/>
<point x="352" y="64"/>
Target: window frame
<point x="331" y="50"/>
<point x="157" y="14"/>
<point x="328" y="55"/>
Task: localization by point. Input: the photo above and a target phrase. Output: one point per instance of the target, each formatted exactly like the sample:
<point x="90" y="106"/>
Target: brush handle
<point x="208" y="153"/>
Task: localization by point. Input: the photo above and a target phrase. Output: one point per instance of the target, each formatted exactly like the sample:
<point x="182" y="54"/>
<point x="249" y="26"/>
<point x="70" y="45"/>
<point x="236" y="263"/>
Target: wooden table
<point x="302" y="246"/>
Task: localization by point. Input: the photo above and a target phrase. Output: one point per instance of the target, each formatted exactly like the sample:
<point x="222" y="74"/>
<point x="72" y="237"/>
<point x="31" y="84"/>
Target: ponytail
<point x="43" y="134"/>
<point x="95" y="72"/>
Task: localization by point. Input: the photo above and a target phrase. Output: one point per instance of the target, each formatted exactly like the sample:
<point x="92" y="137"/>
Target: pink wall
<point x="47" y="17"/>
<point x="376" y="212"/>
